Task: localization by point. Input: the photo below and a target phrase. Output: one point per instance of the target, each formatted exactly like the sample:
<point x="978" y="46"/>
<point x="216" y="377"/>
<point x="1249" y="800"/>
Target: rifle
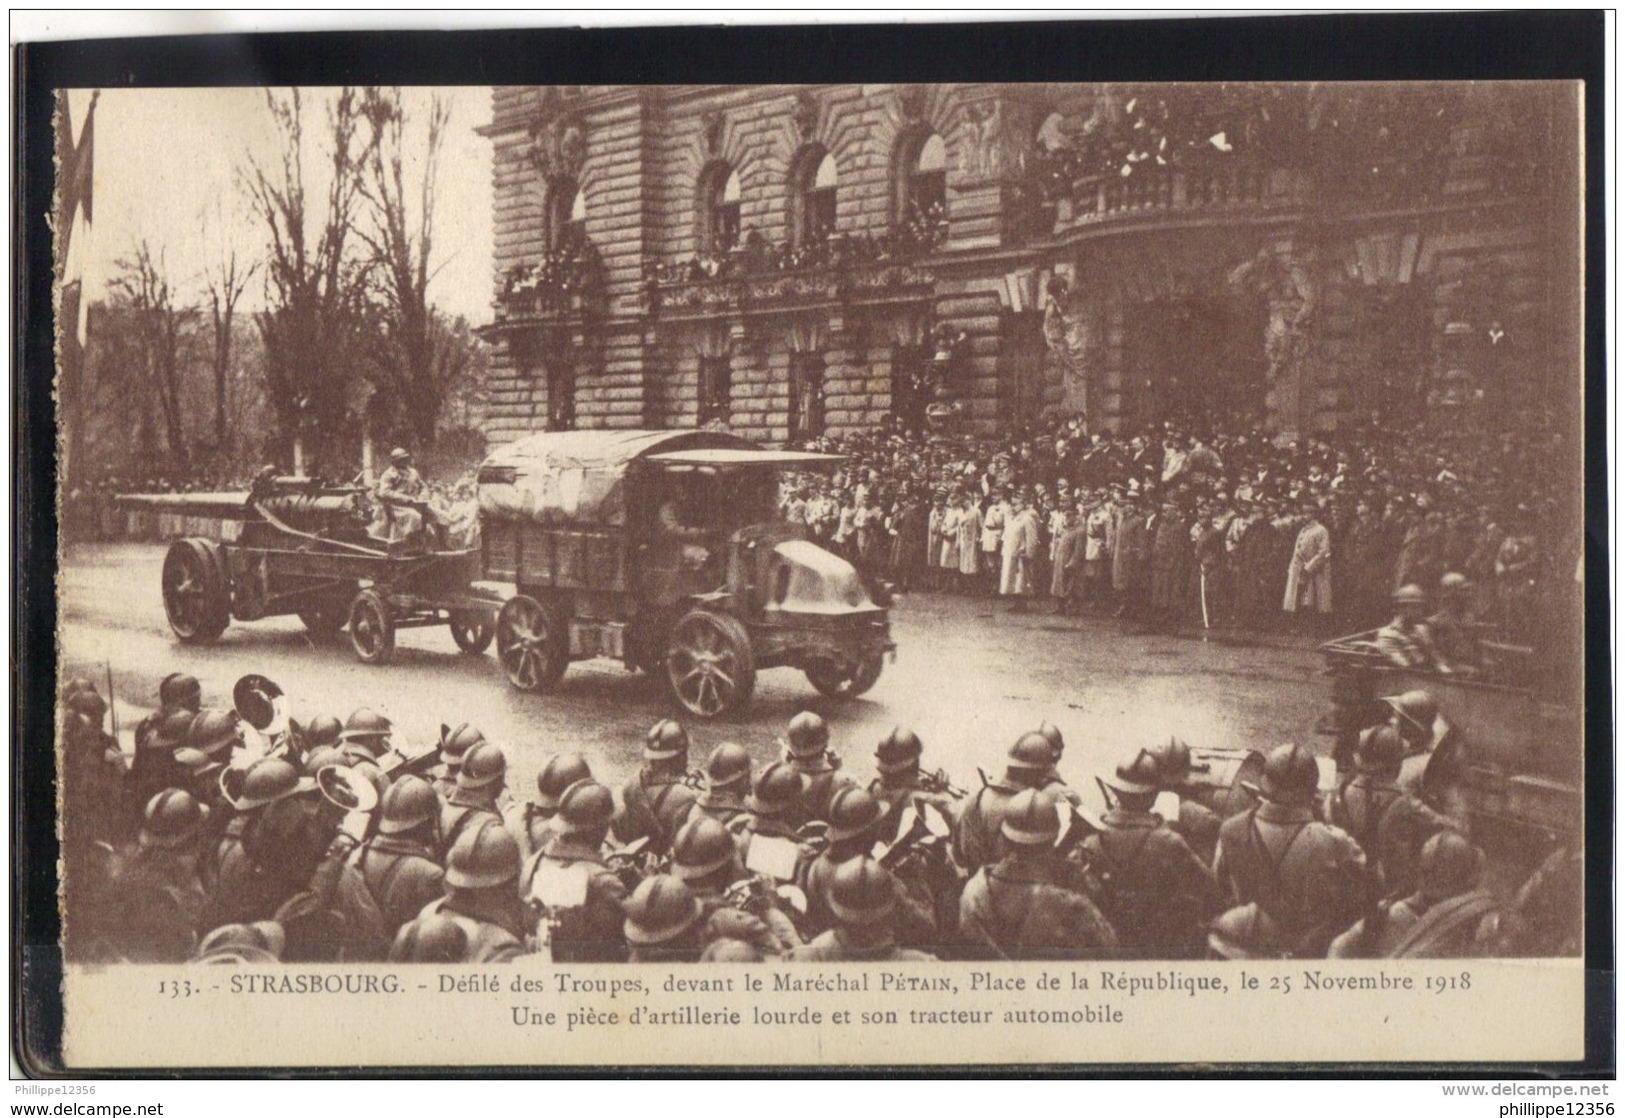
<point x="939" y="783"/>
<point x="112" y="705"/>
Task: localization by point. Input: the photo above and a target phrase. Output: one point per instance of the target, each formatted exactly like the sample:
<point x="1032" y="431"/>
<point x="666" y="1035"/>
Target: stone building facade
<point x="795" y="260"/>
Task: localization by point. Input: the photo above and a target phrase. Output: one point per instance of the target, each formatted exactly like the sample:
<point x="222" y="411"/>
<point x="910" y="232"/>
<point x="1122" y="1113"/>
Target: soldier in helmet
<point x="806" y="746"/>
<point x="1453" y="627"/>
<point x="430" y="939"/>
<point x="1435" y="752"/>
<point x="1052" y="734"/>
<point x="482" y="896"/>
<point x="393" y="875"/>
<point x="561" y="771"/>
<point x="403" y="495"/>
<point x="1406" y="640"/>
<point x="323" y="732"/>
<point x="365" y="738"/>
<point x="478" y="796"/>
<point x="706" y="859"/>
<point x="1389" y="823"/>
<point x="93" y="772"/>
<point x="864" y="899"/>
<point x="1450" y="916"/>
<point x="978" y="838"/>
<point x="777" y="789"/>
<point x="454" y="745"/>
<point x="1308" y="876"/>
<point x="154" y="902"/>
<point x="727" y="783"/>
<point x="176" y="692"/>
<point x="901" y="782"/>
<point x="154" y="767"/>
<point x="272" y="847"/>
<point x="1023" y="906"/>
<point x="665" y="922"/>
<point x="578" y="896"/>
<point x="658" y="799"/>
<point x="1196" y="822"/>
<point x="856" y="823"/>
<point x="1156" y="893"/>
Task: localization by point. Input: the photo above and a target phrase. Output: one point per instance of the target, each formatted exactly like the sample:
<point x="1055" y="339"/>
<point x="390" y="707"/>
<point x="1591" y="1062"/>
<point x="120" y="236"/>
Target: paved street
<point x="968" y="678"/>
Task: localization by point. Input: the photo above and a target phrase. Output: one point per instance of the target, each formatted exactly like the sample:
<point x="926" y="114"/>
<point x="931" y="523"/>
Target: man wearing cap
<point x="402" y="493"/>
<point x="1155" y="892"/>
<point x="578" y="897"/>
<point x="393" y="875"/>
<point x="1022" y="907"/>
<point x="1406" y="641"/>
<point x="1389" y="823"/>
<point x="863" y="896"/>
<point x="978" y="838"/>
<point x="482" y="895"/>
<point x="1309" y="877"/>
<point x="656" y="800"/>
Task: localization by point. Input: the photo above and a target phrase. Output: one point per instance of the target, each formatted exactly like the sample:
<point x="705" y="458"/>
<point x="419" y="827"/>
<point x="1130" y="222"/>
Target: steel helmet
<point x="1030" y="819"/>
<point x="173" y="727"/>
<point x="171" y="818"/>
<point x="561" y="771"/>
<point x="213" y="731"/>
<point x="483" y="766"/>
<point x="454" y="746"/>
<point x="807" y="735"/>
<point x="666" y="740"/>
<point x="323" y="730"/>
<point x="1449" y="865"/>
<point x="483" y="857"/>
<point x="1243" y="932"/>
<point x="1141" y="775"/>
<point x="1290" y="775"/>
<point x="585" y="809"/>
<point x="1410" y="594"/>
<point x="430" y="939"/>
<point x="259" y="942"/>
<point x="409" y="802"/>
<point x="88" y="704"/>
<point x="862" y="891"/>
<point x="853" y="812"/>
<point x="1380" y="749"/>
<point x="1417" y="709"/>
<point x="778" y="786"/>
<point x="730" y="950"/>
<point x="1454" y="583"/>
<point x="1032" y="751"/>
<point x="400" y="454"/>
<point x="318" y="759"/>
<point x="1052" y="734"/>
<point x="266" y="781"/>
<point x="180" y="690"/>
<point x="365" y="725"/>
<point x="728" y="765"/>
<point x="899" y="751"/>
<point x="703" y="845"/>
<point x="659" y="910"/>
<point x="1173" y="761"/>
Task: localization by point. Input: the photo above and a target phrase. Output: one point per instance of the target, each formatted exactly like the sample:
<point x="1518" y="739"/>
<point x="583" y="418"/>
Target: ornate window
<point x="566" y="215"/>
<point x="719" y="209"/>
<point x="806" y="420"/>
<point x="716" y="388"/>
<point x="922" y="198"/>
<point x="561" y="394"/>
<point x="814" y="195"/>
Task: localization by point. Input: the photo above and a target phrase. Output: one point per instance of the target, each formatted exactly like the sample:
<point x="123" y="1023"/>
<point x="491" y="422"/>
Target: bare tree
<point x="225" y="281"/>
<point x="142" y="286"/>
<point x="315" y="285"/>
<point x="417" y="359"/>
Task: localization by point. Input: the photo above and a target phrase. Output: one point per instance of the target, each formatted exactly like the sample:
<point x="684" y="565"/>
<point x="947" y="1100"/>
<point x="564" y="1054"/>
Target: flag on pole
<point x="76" y="168"/>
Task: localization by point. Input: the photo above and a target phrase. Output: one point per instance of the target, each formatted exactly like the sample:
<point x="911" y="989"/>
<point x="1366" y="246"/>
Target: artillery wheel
<point x="372" y="629"/>
<point x="195" y="594"/>
<point x="709" y="664"/>
<point x="472" y="629"/>
<point x="833" y="678"/>
<point x="325" y="616"/>
<point x="531" y="644"/>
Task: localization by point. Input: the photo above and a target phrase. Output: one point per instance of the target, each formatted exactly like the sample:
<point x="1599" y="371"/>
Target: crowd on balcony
<point x="1215" y="528"/>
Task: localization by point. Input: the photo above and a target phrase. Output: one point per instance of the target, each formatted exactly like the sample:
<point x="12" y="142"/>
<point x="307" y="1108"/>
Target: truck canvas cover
<point x="578" y="477"/>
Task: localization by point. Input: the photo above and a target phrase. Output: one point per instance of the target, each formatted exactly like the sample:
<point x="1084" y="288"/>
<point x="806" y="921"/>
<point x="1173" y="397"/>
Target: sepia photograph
<point x="883" y="535"/>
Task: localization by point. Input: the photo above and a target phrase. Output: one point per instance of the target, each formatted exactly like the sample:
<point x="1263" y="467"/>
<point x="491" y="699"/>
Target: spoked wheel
<point x="195" y="595"/>
<point x="531" y="644"/>
<point x="372" y="629"/>
<point x="844" y="681"/>
<point x="325" y="616"/>
<point x="709" y="664"/>
<point x="472" y="630"/>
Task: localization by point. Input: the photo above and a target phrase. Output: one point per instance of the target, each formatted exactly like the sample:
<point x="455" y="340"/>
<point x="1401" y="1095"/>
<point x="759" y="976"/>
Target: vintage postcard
<point x="840" y="574"/>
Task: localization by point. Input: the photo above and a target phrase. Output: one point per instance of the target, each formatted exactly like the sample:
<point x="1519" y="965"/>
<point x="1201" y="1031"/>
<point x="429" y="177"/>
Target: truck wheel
<point x="472" y="630"/>
<point x="372" y="629"/>
<point x="531" y="644"/>
<point x="709" y="664"/>
<point x="839" y="681"/>
<point x="195" y="594"/>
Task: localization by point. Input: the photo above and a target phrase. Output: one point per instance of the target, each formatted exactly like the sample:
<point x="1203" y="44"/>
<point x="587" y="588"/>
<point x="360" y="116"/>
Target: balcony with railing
<point x="567" y="284"/>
